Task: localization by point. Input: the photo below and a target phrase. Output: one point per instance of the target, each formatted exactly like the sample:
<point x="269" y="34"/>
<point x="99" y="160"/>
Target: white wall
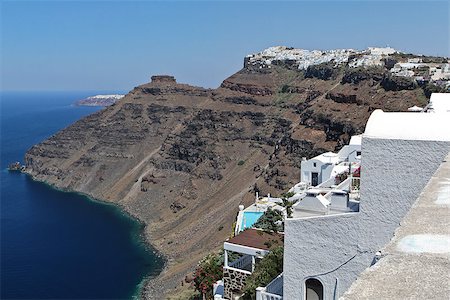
<point x="337" y="248"/>
<point x="307" y="167"/>
<point x="349" y="152"/>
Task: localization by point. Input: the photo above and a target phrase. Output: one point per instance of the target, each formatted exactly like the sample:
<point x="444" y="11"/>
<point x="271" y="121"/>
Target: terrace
<point x="338" y="194"/>
<point x="273" y="291"/>
<point x="246" y="249"/>
<point x="249" y="216"/>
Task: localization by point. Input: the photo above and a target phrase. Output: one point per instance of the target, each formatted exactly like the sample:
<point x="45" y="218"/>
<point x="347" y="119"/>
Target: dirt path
<point x="125" y="179"/>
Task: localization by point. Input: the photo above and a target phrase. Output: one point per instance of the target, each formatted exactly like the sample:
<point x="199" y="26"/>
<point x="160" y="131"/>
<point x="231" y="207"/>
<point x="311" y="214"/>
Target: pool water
<point x="250" y="218"/>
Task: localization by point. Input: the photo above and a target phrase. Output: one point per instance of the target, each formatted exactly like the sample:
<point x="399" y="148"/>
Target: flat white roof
<point x="440" y="102"/>
<point x="314" y="191"/>
<point x="415" y="108"/>
<point x="339" y="169"/>
<point x="408" y="126"/>
<point x="355" y="140"/>
<point x="327" y="157"/>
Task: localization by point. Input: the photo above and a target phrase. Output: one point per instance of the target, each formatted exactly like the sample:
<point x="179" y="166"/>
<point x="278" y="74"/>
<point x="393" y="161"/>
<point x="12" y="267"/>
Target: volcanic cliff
<point x="182" y="158"/>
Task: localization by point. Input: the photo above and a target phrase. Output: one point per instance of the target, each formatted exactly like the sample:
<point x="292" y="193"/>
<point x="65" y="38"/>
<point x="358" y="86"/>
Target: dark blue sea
<point x="56" y="244"/>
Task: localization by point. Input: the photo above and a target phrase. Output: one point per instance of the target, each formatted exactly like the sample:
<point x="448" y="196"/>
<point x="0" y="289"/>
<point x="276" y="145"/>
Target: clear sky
<point x="116" y="45"/>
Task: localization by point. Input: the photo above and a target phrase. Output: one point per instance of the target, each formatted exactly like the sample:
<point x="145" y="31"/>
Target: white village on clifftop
<point x="422" y="69"/>
<point x="369" y="222"/>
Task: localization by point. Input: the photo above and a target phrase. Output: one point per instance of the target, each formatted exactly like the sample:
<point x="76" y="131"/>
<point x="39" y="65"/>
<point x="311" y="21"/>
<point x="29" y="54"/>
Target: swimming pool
<point x="249" y="218"/>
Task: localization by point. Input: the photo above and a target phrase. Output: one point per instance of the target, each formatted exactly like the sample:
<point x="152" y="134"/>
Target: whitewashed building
<point x="329" y="243"/>
<point x="325" y="253"/>
<point x="439" y="103"/>
<point x="321" y="168"/>
<point x="318" y="169"/>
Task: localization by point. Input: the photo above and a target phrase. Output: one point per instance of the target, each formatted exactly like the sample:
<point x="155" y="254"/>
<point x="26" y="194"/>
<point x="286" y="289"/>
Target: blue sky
<point x="116" y="45"/>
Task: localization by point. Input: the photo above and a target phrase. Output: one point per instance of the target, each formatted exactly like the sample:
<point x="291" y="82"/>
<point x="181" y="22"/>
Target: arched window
<point x="314" y="289"/>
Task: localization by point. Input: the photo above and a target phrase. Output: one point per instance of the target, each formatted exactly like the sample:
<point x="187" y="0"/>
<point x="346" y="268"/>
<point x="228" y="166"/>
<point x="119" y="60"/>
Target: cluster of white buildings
<point x="348" y="206"/>
<point x="414" y="68"/>
<point x="329" y="183"/>
<point x="305" y="58"/>
<point x="373" y="56"/>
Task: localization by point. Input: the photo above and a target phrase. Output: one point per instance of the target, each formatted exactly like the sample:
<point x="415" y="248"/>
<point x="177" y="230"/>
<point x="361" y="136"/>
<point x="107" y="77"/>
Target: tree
<point x="208" y="271"/>
<point x="268" y="221"/>
<point x="269" y="267"/>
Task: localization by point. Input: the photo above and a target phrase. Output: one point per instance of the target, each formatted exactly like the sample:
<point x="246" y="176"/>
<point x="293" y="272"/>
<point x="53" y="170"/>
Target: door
<point x="314" y="178"/>
<point x="314" y="289"/>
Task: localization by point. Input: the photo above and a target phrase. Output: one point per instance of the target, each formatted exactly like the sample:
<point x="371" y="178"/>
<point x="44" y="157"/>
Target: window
<point x="358" y="153"/>
<point x="314" y="165"/>
<point x="314" y="289"/>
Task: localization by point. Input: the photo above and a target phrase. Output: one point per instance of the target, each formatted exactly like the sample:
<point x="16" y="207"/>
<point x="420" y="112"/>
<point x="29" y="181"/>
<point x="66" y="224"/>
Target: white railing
<point x="343" y="184"/>
<point x="273" y="291"/>
<point x="243" y="263"/>
<point x="268" y="296"/>
<point x="237" y="229"/>
<point x="327" y="183"/>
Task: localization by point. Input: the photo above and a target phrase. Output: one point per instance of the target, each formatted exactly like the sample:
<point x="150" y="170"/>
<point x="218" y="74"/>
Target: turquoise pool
<point x="250" y="218"/>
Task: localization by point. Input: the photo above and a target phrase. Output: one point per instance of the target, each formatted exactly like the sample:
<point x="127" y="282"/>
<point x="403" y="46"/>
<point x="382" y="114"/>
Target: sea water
<point x="57" y="244"/>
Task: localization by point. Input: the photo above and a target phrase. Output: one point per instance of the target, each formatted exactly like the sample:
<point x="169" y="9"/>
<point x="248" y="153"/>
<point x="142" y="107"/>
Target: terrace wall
<point x="233" y="281"/>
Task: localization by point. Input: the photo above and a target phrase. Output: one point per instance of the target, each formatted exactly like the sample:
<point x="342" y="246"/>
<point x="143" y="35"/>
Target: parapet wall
<point x="233" y="281"/>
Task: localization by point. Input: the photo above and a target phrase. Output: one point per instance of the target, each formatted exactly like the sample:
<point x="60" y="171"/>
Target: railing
<point x="237" y="229"/>
<point x="343" y="184"/>
<point x="268" y="296"/>
<point x="327" y="183"/>
<point x="243" y="263"/>
<point x="355" y="186"/>
<point x="276" y="285"/>
<point x="273" y="291"/>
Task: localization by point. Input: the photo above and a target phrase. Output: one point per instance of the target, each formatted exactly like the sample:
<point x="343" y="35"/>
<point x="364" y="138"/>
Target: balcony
<point x="273" y="291"/>
<point x="250" y="246"/>
<point x="244" y="263"/>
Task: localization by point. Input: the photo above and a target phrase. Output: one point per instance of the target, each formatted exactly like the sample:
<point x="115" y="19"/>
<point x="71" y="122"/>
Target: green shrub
<point x="288" y="205"/>
<point x="267" y="221"/>
<point x="287" y="195"/>
<point x="269" y="267"/>
<point x="285" y="89"/>
<point x="241" y="162"/>
<point x="208" y="271"/>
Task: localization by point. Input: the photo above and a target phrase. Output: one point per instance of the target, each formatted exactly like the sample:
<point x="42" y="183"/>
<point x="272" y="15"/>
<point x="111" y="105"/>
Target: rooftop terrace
<point x="416" y="262"/>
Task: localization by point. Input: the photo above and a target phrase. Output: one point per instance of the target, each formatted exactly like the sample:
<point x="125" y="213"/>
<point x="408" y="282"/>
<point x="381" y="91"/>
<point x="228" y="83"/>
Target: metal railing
<point x="276" y="285"/>
<point x="243" y="263"/>
<point x="273" y="291"/>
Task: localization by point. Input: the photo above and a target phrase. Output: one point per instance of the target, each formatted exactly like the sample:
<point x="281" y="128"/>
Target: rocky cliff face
<point x="182" y="158"/>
